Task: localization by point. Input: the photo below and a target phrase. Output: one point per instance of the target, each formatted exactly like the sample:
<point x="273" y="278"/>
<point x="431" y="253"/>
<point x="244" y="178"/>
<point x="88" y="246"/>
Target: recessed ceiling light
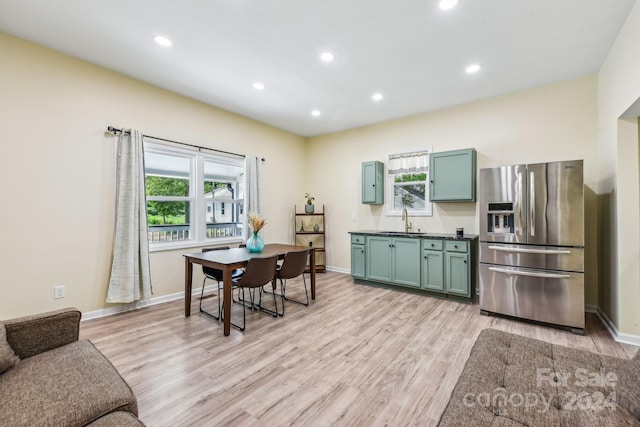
<point x="258" y="86"/>
<point x="326" y="56"/>
<point x="315" y="113"/>
<point x="163" y="41"/>
<point x="448" y="4"/>
<point x="473" y="68"/>
<point x="377" y="97"/>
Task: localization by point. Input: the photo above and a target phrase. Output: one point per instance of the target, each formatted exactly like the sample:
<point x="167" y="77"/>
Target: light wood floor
<point x="357" y="356"/>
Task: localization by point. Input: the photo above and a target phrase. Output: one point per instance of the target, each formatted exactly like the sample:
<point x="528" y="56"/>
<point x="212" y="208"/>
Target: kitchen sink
<point x="401" y="233"/>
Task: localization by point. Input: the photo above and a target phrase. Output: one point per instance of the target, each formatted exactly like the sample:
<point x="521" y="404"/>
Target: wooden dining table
<point x="231" y="259"/>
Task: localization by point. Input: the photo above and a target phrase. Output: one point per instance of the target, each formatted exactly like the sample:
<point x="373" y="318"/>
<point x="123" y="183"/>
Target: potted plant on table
<point x="255" y="243"/>
<point x="309" y="208"/>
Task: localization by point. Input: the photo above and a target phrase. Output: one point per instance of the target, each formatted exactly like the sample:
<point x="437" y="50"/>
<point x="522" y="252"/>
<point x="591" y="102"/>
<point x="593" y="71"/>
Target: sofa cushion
<point x="71" y="385"/>
<point x="117" y="419"/>
<point x="510" y="380"/>
<point x="8" y="358"/>
<point x="628" y="386"/>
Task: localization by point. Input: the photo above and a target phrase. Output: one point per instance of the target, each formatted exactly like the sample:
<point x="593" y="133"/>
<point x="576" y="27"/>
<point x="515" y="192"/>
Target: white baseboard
<point x="613" y="330"/>
<point x="339" y="270"/>
<point x="121" y="308"/>
<point x="591" y="308"/>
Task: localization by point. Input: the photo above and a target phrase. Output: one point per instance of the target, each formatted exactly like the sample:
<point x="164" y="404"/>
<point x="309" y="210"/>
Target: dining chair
<point x="214" y="274"/>
<point x="294" y="265"/>
<point x="258" y="273"/>
<point x="241" y="271"/>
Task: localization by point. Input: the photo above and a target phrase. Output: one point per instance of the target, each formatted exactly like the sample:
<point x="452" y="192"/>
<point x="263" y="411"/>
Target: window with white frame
<point x="192" y="197"/>
<point x="408" y="184"/>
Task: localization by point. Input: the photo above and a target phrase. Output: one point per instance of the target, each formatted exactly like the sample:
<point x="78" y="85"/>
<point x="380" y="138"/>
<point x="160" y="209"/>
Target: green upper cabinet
<point x="452" y="176"/>
<point x="373" y="183"/>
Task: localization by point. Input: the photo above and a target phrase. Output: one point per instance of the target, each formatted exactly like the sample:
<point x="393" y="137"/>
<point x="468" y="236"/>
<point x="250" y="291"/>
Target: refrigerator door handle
<point x="532" y="204"/>
<point x="520" y="190"/>
<point x="530" y="273"/>
<point x="532" y="251"/>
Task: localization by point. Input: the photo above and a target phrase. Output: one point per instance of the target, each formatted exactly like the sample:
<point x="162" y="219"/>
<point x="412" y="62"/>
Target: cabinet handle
<point x="425" y="257"/>
<point x="455" y="246"/>
<point x="465" y="261"/>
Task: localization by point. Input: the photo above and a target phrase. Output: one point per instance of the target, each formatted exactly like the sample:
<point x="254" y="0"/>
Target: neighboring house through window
<point x="192" y="196"/>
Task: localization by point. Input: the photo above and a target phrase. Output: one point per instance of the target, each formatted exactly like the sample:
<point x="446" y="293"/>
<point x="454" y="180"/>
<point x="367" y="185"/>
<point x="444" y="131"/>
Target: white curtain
<point x="130" y="272"/>
<point x="408" y="162"/>
<point x="253" y="185"/>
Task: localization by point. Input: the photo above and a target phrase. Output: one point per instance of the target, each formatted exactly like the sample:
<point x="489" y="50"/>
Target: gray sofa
<point x="510" y="380"/>
<point x="50" y="378"/>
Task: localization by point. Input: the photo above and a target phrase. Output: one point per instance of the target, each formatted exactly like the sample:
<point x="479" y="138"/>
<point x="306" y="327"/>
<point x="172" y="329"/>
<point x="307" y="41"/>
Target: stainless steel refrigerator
<point x="532" y="242"/>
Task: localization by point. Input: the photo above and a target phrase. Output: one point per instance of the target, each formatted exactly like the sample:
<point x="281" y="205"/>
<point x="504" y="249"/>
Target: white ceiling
<point x="411" y="51"/>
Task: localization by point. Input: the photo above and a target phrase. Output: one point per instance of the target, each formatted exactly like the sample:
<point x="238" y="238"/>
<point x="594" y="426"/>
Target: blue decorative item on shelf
<point x="255" y="243"/>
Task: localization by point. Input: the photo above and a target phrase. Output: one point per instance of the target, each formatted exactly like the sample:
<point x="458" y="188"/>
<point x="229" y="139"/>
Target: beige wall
<point x="57" y="169"/>
<point x="619" y="189"/>
<point x="554" y="122"/>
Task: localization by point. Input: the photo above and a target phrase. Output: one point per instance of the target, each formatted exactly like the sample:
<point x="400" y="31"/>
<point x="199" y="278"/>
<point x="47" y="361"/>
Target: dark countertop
<point x="443" y="236"/>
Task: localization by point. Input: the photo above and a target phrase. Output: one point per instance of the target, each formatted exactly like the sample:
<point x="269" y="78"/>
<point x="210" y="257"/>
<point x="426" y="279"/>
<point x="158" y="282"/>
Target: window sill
<point x="173" y="246"/>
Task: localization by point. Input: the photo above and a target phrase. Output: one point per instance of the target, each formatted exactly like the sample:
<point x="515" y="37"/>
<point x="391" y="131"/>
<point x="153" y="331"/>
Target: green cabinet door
<point x="457" y="273"/>
<point x="357" y="260"/>
<point x="452" y="176"/>
<point x="378" y="258"/>
<point x="406" y="262"/>
<point x="373" y="182"/>
<point x="432" y="270"/>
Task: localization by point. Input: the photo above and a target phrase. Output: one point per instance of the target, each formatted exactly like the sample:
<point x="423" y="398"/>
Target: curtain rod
<point x="116" y="131"/>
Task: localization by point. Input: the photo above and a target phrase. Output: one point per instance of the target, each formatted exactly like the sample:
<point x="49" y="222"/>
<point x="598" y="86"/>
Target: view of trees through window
<point x="192" y="196"/>
<point x="168" y="212"/>
<point x="409" y="190"/>
<point x="160" y="212"/>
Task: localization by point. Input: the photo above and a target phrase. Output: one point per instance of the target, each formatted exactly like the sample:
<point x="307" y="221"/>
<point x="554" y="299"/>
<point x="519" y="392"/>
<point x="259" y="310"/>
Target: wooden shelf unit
<point x="305" y="235"/>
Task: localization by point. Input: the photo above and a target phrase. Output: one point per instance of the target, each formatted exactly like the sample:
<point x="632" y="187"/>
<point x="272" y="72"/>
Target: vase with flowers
<point x="255" y="243"/>
<point x="309" y="208"/>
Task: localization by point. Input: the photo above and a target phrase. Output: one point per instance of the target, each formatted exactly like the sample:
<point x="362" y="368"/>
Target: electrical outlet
<point x="58" y="292"/>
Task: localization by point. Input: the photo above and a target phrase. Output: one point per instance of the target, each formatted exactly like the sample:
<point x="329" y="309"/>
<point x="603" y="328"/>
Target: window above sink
<point x="407" y="184"/>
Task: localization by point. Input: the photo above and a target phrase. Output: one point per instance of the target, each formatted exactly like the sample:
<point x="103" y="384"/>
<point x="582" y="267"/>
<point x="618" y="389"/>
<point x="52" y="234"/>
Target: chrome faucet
<point x="405" y="217"/>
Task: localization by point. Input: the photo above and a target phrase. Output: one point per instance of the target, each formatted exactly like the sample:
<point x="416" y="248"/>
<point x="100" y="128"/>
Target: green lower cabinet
<point x="357" y="261"/>
<point x="406" y="262"/>
<point x="428" y="265"/>
<point x="432" y="273"/>
<point x="393" y="260"/>
<point x="457" y="273"/>
<point x="379" y="258"/>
